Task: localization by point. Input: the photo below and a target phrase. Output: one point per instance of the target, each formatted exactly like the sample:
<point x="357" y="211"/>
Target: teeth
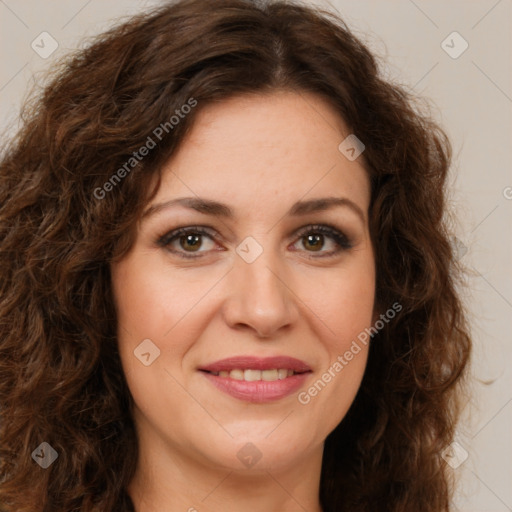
<point x="237" y="374"/>
<point x="252" y="375"/>
<point x="282" y="374"/>
<point x="269" y="375"/>
<point x="255" y="375"/>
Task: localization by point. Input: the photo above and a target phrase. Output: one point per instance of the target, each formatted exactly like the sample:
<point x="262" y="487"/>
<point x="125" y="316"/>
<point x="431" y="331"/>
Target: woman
<point x="226" y="281"/>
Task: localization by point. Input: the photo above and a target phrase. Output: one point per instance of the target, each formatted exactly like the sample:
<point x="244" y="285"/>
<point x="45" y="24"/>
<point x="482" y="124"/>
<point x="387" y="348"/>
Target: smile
<point x="256" y="379"/>
<point x="255" y="375"/>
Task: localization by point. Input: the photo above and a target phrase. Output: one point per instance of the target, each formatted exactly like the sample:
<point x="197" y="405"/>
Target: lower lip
<point x="259" y="391"/>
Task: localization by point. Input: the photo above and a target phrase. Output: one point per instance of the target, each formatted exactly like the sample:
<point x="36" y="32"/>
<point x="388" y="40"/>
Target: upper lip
<point x="257" y="363"/>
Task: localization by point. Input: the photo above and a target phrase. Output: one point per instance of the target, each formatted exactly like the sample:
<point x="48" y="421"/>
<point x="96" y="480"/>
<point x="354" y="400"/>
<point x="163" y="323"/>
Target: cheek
<point x="347" y="310"/>
<point x="147" y="308"/>
<point x="150" y="301"/>
<point x="153" y="303"/>
<point x="139" y="297"/>
<point x="351" y="310"/>
<point x="344" y="300"/>
<point x="349" y="317"/>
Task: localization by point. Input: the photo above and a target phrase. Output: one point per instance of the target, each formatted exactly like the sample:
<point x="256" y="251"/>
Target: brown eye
<point x="186" y="242"/>
<point x="316" y="242"/>
<point x="190" y="241"/>
<point x="314" y="239"/>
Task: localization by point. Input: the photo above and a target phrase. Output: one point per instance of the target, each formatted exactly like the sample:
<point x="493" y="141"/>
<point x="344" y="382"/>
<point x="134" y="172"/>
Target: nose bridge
<point x="262" y="279"/>
<point x="260" y="299"/>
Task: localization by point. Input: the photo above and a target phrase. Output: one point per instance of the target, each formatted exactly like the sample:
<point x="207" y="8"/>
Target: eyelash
<point x="340" y="239"/>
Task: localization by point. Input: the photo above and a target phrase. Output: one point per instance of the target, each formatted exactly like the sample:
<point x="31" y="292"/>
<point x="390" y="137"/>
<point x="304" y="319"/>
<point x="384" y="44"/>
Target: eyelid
<point x="341" y="240"/>
<point x="327" y="229"/>
<point x="173" y="233"/>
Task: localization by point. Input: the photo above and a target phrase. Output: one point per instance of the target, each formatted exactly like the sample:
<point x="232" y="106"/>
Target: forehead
<point x="250" y="149"/>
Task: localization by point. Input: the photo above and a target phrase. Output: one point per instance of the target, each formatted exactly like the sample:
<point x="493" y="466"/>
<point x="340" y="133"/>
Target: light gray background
<point x="472" y="99"/>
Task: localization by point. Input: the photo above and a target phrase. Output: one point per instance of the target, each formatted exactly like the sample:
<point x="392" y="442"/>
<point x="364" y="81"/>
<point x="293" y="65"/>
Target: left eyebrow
<point x="217" y="209"/>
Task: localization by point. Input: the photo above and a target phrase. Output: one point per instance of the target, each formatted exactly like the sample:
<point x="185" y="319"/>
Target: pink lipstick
<point x="257" y="380"/>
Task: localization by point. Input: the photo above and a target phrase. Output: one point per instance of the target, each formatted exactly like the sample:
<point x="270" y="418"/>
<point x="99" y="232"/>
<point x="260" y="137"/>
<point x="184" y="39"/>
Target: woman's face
<point x="258" y="275"/>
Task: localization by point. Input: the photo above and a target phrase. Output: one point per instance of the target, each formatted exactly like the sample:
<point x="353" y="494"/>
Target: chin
<point x="260" y="452"/>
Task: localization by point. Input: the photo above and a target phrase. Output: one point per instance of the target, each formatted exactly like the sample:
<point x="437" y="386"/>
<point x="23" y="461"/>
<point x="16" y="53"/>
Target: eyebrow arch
<point x="217" y="209"/>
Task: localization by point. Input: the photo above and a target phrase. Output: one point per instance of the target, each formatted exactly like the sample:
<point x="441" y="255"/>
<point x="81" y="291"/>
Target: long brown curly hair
<point x="61" y="380"/>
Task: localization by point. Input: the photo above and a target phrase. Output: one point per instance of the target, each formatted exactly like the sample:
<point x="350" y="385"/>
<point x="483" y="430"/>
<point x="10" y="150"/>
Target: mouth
<point x="257" y="380"/>
<point x="252" y="375"/>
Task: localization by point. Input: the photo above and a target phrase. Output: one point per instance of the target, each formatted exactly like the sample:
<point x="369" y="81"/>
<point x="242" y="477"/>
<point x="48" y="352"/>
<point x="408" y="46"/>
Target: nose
<point x="260" y="298"/>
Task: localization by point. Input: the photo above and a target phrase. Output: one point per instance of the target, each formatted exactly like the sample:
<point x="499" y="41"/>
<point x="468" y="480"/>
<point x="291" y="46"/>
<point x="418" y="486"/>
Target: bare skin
<point x="303" y="297"/>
